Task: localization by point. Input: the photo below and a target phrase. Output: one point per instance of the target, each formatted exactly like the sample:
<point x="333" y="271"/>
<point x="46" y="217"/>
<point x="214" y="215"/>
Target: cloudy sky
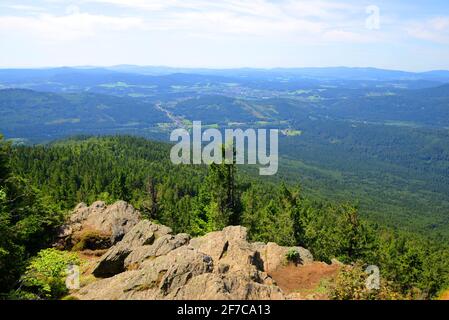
<point x="395" y="34"/>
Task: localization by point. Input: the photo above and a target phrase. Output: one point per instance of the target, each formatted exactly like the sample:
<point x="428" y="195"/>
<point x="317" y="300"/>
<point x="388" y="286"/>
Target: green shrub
<point x="91" y="240"/>
<point x="350" y="284"/>
<point x="292" y="256"/>
<point x="46" y="273"/>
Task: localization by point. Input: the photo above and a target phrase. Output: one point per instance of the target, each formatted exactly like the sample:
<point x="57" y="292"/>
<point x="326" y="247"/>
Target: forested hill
<point x="381" y="144"/>
<point x="39" y="115"/>
<point x="196" y="200"/>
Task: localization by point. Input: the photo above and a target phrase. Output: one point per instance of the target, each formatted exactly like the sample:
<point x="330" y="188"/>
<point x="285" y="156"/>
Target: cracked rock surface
<point x="152" y="263"/>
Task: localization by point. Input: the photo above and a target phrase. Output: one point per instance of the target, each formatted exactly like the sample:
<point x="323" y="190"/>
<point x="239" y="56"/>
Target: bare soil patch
<point x="305" y="281"/>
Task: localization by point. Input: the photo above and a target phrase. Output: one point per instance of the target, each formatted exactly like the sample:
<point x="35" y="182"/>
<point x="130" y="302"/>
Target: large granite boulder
<point x="143" y="234"/>
<point x="98" y="220"/>
<point x="151" y="263"/>
<point x="156" y="279"/>
<point x="161" y="246"/>
<point x="183" y="273"/>
<point x="275" y="256"/>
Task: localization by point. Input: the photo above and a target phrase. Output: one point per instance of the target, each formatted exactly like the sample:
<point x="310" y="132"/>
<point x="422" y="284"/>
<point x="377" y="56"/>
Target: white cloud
<point x="329" y="10"/>
<point x="314" y="22"/>
<point x="24" y="8"/>
<point x="263" y="8"/>
<point x="286" y="19"/>
<point x="434" y="30"/>
<point x="68" y="27"/>
<point x="227" y="23"/>
<point x="322" y="9"/>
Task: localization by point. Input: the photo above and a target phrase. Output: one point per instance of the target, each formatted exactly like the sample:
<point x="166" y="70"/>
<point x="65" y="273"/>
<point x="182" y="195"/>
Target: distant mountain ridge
<point x="319" y="73"/>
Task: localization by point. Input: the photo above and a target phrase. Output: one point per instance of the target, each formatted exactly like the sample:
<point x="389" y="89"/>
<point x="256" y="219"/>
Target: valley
<point x="380" y="142"/>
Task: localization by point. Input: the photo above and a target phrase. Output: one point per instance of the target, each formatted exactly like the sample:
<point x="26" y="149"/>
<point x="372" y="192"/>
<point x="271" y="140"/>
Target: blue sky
<point x="394" y="34"/>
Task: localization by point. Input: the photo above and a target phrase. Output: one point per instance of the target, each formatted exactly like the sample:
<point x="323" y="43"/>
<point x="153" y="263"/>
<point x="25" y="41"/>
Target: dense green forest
<point x="384" y="147"/>
<point x="399" y="175"/>
<point x="39" y="184"/>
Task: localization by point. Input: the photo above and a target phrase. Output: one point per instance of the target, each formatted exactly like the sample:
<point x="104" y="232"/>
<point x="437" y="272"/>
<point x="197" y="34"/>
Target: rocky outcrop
<point x="107" y="222"/>
<point x="150" y="262"/>
<point x="161" y="246"/>
<point x="144" y="234"/>
<point x="275" y="255"/>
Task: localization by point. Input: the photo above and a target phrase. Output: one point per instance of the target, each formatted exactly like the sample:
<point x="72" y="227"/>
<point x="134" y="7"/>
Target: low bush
<point x="91" y="240"/>
<point x="45" y="275"/>
<point x="350" y="284"/>
<point x="292" y="256"/>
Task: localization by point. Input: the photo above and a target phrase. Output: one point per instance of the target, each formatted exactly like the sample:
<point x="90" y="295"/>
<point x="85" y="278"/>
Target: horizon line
<point x="207" y="68"/>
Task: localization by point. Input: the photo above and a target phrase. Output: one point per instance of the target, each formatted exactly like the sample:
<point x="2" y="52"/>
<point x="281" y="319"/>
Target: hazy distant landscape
<point x="377" y="137"/>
